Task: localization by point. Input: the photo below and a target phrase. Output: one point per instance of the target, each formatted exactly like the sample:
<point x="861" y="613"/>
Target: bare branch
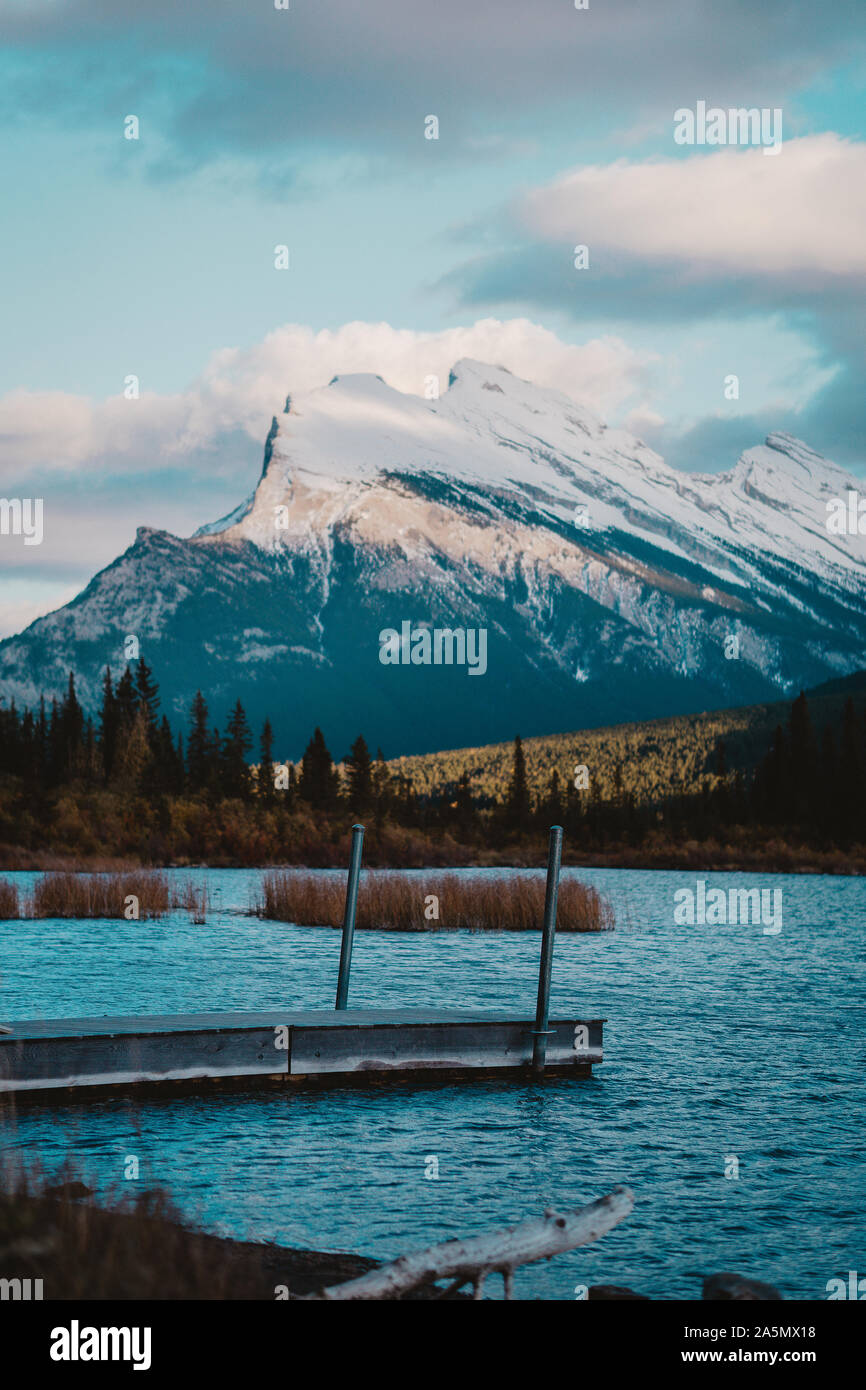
<point x="501" y="1251"/>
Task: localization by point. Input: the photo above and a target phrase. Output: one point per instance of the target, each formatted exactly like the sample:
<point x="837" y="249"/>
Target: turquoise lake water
<point x="720" y="1041"/>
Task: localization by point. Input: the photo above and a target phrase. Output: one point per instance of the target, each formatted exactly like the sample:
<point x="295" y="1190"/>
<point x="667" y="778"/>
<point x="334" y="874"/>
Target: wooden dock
<point x="52" y="1058"/>
<point x="283" y="1047"/>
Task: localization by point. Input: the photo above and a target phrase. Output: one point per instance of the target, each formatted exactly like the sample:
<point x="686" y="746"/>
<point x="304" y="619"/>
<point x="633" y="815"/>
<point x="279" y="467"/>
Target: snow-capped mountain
<point x="610" y="585"/>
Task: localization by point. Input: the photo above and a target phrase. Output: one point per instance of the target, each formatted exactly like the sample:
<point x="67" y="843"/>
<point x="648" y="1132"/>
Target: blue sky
<point x="306" y="127"/>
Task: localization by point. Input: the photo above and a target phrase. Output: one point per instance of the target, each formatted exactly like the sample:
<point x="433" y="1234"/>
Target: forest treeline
<point x="123" y="784"/>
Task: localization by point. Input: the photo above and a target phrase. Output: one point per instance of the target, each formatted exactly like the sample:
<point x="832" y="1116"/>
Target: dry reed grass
<point x="194" y="898"/>
<point x="90" y="896"/>
<point x="99" y="895"/>
<point x="400" y="902"/>
<point x="9" y="904"/>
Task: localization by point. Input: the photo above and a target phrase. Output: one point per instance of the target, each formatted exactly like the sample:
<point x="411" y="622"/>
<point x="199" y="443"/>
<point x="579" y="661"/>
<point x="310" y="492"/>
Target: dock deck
<point x="283" y="1046"/>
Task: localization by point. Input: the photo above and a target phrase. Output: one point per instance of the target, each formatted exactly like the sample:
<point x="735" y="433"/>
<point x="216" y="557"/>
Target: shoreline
<point x="694" y="858"/>
<point x="75" y="1250"/>
<point x="84" y="1251"/>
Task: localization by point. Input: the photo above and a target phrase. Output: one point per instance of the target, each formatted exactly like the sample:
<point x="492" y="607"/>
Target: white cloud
<point x="720" y="211"/>
<point x="643" y="420"/>
<point x="241" y="390"/>
<point x="56" y="430"/>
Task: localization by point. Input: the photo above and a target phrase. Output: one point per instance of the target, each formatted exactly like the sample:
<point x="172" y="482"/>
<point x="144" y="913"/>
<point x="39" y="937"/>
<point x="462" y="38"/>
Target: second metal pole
<point x="542" y="1009"/>
<point x="349" y="916"/>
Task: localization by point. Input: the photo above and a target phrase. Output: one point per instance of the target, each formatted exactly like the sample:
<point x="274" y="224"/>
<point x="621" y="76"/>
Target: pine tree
<point x="360" y="788"/>
<point x="265" y="778"/>
<point x="9" y="738"/>
<point x="517" y="805"/>
<point x="319" y="782"/>
<point x="214" y="783"/>
<point x="55" y="746"/>
<point x="134" y="758"/>
<point x="29" y="753"/>
<point x="109" y="719"/>
<point x="90" y="764"/>
<point x="126" y="701"/>
<point x="69" y="734"/>
<point x="164" y="774"/>
<point x="147" y="692"/>
<point x="237" y="743"/>
<point x="383" y="792"/>
<point x="553" y="809"/>
<point x="42" y="764"/>
<point x="198" y="746"/>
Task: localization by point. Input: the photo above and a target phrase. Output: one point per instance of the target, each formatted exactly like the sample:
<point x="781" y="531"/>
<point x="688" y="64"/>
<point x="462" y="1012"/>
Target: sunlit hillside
<point x="652" y="760"/>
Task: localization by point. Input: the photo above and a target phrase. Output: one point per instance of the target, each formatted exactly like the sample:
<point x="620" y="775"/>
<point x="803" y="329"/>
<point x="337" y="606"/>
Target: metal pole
<point x="542" y="1010"/>
<point x="349" y="916"/>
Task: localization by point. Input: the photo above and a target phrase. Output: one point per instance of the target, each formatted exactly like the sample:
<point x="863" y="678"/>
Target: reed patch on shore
<point x="134" y="895"/>
<point x="432" y="902"/>
<point x="9" y="904"/>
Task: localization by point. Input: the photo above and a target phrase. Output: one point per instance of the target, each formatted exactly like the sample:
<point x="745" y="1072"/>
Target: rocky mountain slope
<point x="611" y="586"/>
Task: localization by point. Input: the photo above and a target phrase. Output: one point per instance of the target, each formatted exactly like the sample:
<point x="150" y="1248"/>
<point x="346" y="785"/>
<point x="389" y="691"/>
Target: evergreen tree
<point x="517" y="804"/>
<point x="383" y="792"/>
<point x="55" y="746"/>
<point x="360" y="768"/>
<point x="198" y="746"/>
<point x="109" y="719"/>
<point x="147" y="692"/>
<point x="29" y="752"/>
<point x="552" y="809"/>
<point x="69" y="734"/>
<point x="43" y="746"/>
<point x="216" y="769"/>
<point x="237" y="743"/>
<point x="164" y="774"/>
<point x="265" y="779"/>
<point x="126" y="701"/>
<point x="134" y="759"/>
<point x="90" y="766"/>
<point x="319" y="782"/>
<point x="8" y="738"/>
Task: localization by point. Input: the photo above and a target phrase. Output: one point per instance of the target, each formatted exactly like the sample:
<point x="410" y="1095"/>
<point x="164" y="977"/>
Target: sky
<point x="306" y="127"/>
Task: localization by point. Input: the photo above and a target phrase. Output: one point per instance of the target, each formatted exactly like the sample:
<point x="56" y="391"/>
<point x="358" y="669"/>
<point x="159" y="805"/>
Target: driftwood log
<point x="500" y="1252"/>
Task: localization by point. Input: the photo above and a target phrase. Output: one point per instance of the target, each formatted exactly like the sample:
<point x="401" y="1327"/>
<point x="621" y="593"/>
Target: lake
<point x="722" y="1043"/>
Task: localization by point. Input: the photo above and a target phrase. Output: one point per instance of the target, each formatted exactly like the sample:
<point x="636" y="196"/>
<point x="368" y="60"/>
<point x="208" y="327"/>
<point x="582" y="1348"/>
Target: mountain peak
<point x="356" y="380"/>
<point x="508" y="443"/>
<point x="784" y="467"/>
<point x="608" y="581"/>
<point x="471" y="369"/>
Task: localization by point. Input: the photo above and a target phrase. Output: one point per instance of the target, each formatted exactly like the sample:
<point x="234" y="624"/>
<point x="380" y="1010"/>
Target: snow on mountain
<point x="610" y="584"/>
